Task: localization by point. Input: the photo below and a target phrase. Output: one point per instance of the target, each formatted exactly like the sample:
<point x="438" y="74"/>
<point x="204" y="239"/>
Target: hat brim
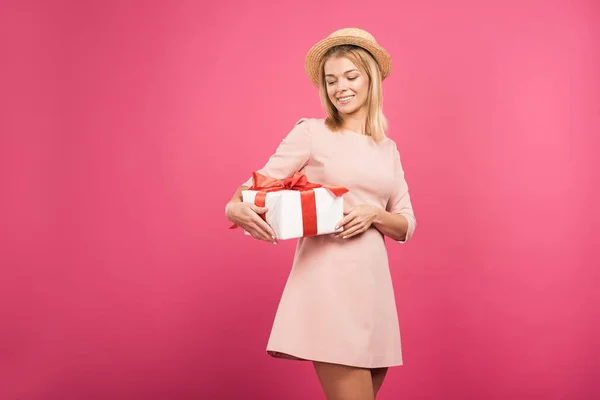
<point x="314" y="55"/>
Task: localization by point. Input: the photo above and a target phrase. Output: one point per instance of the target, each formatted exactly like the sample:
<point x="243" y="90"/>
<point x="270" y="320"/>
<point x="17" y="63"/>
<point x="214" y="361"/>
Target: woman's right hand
<point x="247" y="216"/>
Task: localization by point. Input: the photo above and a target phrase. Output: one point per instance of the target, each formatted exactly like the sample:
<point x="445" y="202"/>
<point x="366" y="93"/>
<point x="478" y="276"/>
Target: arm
<point x="246" y="216"/>
<point x="291" y="155"/>
<point x="394" y="226"/>
<point x="361" y="218"/>
<point x="397" y="221"/>
<point x="237" y="196"/>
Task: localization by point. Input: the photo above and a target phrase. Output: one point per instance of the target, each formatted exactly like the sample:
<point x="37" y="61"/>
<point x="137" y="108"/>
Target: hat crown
<point x="356" y="32"/>
<point x="346" y="36"/>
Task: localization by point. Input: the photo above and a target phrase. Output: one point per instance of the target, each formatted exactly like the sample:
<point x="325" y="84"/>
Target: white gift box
<point x="284" y="212"/>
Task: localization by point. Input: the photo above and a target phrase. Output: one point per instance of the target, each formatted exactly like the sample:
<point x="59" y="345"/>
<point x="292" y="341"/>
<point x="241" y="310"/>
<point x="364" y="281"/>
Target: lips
<point x="345" y="99"/>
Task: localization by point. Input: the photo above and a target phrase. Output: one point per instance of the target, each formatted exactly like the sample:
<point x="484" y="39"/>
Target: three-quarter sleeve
<point x="399" y="202"/>
<point x="291" y="155"/>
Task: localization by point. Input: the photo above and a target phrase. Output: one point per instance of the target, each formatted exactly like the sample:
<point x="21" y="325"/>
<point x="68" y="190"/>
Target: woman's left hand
<point x="357" y="221"/>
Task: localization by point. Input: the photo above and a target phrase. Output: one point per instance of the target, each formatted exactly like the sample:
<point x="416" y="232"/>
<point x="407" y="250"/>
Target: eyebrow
<point x="350" y="70"/>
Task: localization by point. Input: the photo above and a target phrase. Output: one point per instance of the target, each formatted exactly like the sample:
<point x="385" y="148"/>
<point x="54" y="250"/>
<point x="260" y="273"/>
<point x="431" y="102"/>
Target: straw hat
<point x="354" y="36"/>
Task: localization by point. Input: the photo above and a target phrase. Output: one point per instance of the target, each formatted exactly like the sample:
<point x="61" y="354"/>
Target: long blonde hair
<point x="376" y="123"/>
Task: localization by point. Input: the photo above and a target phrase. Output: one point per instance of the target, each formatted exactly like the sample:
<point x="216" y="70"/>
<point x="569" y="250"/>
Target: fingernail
<point x="344" y="237"/>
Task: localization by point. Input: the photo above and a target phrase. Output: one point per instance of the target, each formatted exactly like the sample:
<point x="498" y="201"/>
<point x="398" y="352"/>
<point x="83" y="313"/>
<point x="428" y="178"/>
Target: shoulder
<point x="390" y="148"/>
<point x="389" y="144"/>
<point x="311" y="125"/>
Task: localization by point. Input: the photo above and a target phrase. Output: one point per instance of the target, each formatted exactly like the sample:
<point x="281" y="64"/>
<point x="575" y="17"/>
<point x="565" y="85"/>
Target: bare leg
<point x="378" y="375"/>
<point x="342" y="382"/>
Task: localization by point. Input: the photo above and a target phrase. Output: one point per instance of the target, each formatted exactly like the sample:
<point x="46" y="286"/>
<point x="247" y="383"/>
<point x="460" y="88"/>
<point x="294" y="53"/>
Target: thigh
<point x="378" y="375"/>
<point x="342" y="382"/>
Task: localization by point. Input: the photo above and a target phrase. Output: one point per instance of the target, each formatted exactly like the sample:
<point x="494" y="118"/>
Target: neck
<point x="356" y="122"/>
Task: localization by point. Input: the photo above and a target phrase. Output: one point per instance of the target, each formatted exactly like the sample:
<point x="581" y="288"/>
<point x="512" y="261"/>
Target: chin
<point x="348" y="111"/>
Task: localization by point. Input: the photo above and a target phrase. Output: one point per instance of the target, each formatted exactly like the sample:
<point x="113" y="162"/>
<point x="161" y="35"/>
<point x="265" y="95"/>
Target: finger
<point x="259" y="234"/>
<point x="346" y="212"/>
<point x="346" y="220"/>
<point x="354" y="222"/>
<point x="263" y="233"/>
<point x="349" y="228"/>
<point x="259" y="210"/>
<point x="353" y="232"/>
<point x="261" y="222"/>
<point x="266" y="231"/>
<point x="347" y="217"/>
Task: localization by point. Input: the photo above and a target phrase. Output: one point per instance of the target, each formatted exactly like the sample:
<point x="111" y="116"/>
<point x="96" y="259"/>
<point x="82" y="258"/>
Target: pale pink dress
<point x="338" y="304"/>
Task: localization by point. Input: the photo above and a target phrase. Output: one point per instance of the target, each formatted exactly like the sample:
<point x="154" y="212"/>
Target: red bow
<point x="297" y="181"/>
<point x="264" y="184"/>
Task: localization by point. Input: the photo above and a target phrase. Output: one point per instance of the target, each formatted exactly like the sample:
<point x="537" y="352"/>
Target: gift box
<point x="296" y="207"/>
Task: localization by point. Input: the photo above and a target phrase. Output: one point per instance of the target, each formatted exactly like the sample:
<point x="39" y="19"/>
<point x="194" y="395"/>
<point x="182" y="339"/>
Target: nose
<point x="342" y="85"/>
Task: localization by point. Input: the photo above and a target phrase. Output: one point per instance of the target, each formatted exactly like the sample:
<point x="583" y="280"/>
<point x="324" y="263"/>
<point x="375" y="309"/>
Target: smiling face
<point x="347" y="86"/>
<point x="350" y="91"/>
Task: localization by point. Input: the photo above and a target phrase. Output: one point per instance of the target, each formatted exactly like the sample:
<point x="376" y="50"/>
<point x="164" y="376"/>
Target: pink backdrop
<point x="126" y="127"/>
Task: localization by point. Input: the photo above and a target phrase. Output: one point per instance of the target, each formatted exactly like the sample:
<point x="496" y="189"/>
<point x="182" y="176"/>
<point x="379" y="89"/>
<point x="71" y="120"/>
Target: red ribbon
<point x="264" y="184"/>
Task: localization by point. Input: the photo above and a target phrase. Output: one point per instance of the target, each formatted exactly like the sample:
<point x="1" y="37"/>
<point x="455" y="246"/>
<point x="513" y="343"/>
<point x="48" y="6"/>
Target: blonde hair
<point x="376" y="123"/>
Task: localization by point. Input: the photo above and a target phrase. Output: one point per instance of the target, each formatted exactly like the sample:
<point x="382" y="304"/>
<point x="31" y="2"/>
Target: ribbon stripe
<point x="259" y="200"/>
<point x="309" y="213"/>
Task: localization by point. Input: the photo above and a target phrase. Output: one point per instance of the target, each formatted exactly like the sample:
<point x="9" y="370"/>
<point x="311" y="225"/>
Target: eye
<point x="353" y="78"/>
<point x="330" y="83"/>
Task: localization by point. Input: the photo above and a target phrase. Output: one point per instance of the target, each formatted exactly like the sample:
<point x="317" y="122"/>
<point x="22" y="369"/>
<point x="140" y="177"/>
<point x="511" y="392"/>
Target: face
<point x="347" y="87"/>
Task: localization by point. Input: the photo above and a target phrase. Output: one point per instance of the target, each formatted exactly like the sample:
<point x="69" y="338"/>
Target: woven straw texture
<point x="354" y="36"/>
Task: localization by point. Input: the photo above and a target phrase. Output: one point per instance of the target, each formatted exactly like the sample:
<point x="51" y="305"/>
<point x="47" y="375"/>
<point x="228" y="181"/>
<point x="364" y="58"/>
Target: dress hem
<point x="296" y="357"/>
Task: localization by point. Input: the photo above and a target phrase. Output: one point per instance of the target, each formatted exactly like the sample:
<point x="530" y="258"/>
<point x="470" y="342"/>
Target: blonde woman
<point x="338" y="308"/>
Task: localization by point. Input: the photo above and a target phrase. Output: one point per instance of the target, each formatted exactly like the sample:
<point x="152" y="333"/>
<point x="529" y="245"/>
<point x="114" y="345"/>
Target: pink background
<point x="126" y="127"/>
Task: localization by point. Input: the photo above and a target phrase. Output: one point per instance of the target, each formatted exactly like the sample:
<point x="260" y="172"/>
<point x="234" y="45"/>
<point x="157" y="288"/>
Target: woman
<point x="338" y="308"/>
